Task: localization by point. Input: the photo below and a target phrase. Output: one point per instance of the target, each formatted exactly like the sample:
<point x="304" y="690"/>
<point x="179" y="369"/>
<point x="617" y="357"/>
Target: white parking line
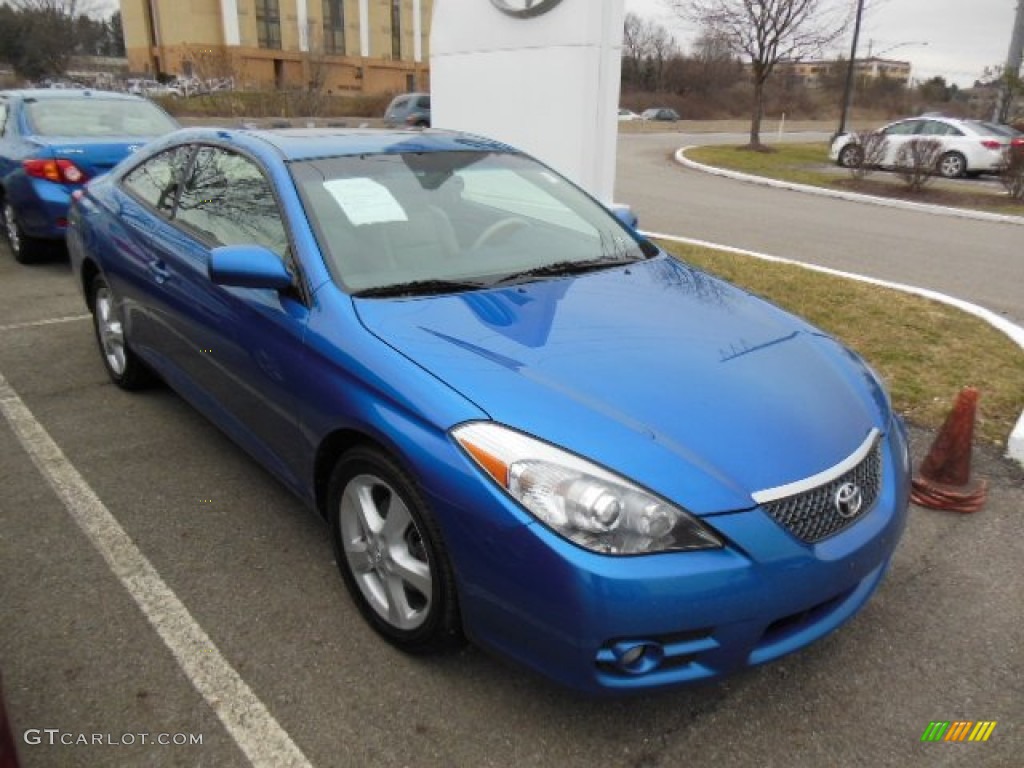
<point x="51" y="321"/>
<point x="254" y="729"/>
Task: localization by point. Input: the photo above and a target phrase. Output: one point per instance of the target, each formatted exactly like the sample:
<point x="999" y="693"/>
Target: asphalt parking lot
<point x="278" y="669"/>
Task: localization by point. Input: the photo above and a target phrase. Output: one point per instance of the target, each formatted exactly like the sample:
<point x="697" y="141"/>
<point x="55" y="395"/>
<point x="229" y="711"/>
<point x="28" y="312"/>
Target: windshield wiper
<point x="417" y="288"/>
<point x="558" y="269"/>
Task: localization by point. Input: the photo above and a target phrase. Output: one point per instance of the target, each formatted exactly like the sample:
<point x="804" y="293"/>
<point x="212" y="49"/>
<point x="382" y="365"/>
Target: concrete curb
<point x="938" y="210"/>
<point x="1015" y="444"/>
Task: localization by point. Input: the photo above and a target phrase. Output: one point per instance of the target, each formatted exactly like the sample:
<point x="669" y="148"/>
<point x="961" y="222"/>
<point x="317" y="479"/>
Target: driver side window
<point x="157" y="180"/>
<point x="226" y="200"/>
<point x="903" y="129"/>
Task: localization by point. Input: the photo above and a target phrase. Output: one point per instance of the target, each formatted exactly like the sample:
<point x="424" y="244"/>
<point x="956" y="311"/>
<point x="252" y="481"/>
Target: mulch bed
<point x="975" y="198"/>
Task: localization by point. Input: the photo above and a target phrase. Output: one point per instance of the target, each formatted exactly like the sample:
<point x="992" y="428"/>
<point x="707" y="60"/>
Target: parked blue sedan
<point x="523" y="422"/>
<point x="51" y="142"/>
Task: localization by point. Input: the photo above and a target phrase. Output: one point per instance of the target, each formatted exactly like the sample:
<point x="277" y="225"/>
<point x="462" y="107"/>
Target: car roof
<point x="312" y="143"/>
<point x="65" y="94"/>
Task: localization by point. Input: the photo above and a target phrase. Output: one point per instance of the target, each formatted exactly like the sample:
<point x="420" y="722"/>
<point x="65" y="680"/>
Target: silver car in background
<point x="969" y="147"/>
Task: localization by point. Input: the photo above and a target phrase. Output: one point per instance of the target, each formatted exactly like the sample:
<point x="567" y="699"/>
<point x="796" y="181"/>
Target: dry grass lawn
<point x="925" y="351"/>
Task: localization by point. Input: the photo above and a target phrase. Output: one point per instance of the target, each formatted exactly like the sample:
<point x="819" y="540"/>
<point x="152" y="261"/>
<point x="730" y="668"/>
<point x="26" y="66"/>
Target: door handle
<point x="159" y="271"/>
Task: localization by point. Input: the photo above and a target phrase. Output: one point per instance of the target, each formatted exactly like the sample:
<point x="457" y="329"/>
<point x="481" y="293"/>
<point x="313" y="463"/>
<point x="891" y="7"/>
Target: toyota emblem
<point x="848" y="500"/>
<point x="524" y="9"/>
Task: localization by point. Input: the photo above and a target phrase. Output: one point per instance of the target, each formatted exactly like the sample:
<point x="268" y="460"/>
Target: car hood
<point x="658" y="371"/>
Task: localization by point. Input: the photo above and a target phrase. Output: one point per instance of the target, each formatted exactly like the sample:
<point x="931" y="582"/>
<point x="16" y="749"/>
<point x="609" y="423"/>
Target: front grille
<point x="813" y="514"/>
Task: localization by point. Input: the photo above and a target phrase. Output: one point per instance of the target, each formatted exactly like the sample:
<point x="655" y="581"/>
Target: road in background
<point x="978" y="261"/>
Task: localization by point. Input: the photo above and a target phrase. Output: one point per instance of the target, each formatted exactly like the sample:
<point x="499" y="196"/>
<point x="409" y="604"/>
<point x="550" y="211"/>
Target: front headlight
<point x="581" y="501"/>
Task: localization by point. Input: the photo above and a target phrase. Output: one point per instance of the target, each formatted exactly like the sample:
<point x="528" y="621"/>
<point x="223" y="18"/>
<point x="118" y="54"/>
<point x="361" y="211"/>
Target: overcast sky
<point x="963" y="36"/>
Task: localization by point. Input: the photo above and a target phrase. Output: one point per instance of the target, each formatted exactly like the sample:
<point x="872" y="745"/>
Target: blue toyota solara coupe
<point x="523" y="422"/>
<point x="54" y="140"/>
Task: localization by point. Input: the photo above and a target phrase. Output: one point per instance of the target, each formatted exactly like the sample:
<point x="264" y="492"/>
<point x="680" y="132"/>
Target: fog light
<point x="638" y="657"/>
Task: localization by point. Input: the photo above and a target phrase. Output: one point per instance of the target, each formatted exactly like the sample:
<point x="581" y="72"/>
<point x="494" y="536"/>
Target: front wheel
<point x="851" y="156"/>
<point x="391" y="555"/>
<point x="123" y="367"/>
<point x="952" y="165"/>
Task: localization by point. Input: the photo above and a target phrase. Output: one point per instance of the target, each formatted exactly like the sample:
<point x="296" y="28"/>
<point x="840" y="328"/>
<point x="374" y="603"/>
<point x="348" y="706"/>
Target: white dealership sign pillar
<point x="541" y="75"/>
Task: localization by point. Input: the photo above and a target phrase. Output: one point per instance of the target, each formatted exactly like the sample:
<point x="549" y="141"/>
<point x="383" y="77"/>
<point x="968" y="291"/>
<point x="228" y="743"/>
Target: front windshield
<point x="465" y="218"/>
<point x="97" y="117"/>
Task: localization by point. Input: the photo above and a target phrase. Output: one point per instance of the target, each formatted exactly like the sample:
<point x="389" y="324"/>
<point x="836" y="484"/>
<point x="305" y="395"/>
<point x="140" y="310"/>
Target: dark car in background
<point x="52" y="141"/>
<point x="411" y="109"/>
<point x="663" y="114"/>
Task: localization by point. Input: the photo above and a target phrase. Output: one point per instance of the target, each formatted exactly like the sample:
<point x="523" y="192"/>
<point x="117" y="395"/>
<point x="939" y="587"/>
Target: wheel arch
<point x="88" y="273"/>
<point x="332" y="448"/>
<point x="965" y="165"/>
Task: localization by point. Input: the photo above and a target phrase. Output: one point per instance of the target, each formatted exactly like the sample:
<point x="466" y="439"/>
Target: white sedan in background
<point x="969" y="147"/>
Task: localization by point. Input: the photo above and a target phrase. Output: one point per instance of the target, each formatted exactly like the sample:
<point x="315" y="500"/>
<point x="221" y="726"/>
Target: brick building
<point x="355" y="46"/>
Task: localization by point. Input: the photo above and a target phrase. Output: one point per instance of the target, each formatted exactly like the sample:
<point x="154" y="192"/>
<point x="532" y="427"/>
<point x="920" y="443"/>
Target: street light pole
<point x="1011" y="72"/>
<point x="848" y="89"/>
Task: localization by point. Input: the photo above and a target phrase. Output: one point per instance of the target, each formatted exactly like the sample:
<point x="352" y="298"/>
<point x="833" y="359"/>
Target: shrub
<point x="917" y="162"/>
<point x="1012" y="175"/>
<point x="283" y="104"/>
<point x="873" y="147"/>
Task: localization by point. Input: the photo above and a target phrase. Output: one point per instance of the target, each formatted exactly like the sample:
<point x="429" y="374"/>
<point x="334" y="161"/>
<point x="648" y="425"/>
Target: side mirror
<point x="248" y="266"/>
<point x="624" y="214"/>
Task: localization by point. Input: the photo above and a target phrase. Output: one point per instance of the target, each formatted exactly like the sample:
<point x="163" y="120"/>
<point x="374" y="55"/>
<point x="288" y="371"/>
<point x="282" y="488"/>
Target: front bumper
<point x="616" y="624"/>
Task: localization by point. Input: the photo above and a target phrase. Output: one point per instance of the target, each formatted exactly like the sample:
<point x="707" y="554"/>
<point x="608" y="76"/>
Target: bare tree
<point x="42" y="35"/>
<point x="69" y="8"/>
<point x="314" y="99"/>
<point x="646" y="49"/>
<point x="718" y="66"/>
<point x="766" y="32"/>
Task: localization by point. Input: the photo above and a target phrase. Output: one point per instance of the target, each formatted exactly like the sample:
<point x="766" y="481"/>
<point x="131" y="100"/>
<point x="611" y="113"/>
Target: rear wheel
<point x="391" y="555"/>
<point x="123" y="367"/>
<point x="25" y="250"/>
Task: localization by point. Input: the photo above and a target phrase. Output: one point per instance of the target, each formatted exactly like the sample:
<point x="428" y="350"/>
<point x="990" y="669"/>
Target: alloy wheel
<point x="11" y="229"/>
<point x="110" y="331"/>
<point x="385" y="551"/>
<point x="951" y="166"/>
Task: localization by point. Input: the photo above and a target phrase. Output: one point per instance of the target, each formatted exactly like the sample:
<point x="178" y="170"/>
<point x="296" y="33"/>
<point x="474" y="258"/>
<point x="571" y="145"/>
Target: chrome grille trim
<point x="815" y="514"/>
<point x="801" y="486"/>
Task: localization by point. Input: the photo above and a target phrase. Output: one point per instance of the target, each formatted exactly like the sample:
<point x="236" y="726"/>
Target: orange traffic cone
<point x="944" y="478"/>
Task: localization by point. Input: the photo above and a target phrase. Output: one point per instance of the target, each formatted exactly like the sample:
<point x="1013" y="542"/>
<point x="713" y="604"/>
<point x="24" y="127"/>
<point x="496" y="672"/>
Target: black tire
<point x="952" y="165"/>
<point x="25" y="249"/>
<point x="123" y="367"/>
<point x="851" y="156"/>
<point x="398" y="574"/>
